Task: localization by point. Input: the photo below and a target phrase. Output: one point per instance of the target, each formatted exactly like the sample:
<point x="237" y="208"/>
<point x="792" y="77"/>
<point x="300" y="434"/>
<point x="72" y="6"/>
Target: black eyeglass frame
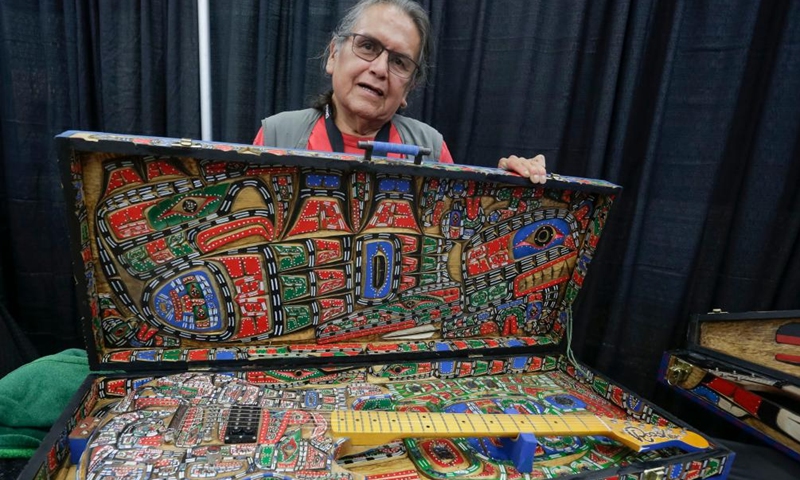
<point x="381" y="49"/>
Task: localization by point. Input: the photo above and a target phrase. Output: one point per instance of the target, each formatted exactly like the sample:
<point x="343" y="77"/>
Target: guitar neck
<point x="376" y="427"/>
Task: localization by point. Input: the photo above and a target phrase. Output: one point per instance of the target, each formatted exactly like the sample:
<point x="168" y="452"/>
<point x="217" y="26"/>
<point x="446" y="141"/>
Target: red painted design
<point x="263" y="170"/>
<point x="198" y="355"/>
<point x="331" y="308"/>
<point x="121" y="356"/>
<point x="329" y="280"/>
<point x="327" y="251"/>
<point x="409" y="264"/>
<point x="123" y="177"/>
<point x="408" y="243"/>
<point x="401" y="475"/>
<point x="130" y="221"/>
<point x="453" y="459"/>
<point x="161" y="168"/>
<point x="319" y="215"/>
<point x="116" y="387"/>
<point x="407" y="282"/>
<point x="393" y="214"/>
<point x="339" y="336"/>
<point x="489" y="256"/>
<point x="146" y="332"/>
<point x="158" y="251"/>
<point x="216" y="237"/>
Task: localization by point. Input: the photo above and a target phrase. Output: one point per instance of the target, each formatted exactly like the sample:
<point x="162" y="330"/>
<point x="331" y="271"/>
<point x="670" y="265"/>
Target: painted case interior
<point x="251" y="292"/>
<point x="198" y="260"/>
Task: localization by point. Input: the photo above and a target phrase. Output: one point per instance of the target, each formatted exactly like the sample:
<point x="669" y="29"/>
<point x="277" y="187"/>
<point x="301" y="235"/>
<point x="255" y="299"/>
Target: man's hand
<point x="532" y="168"/>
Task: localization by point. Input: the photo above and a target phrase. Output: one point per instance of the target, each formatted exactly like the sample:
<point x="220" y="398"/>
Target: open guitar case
<point x="220" y="279"/>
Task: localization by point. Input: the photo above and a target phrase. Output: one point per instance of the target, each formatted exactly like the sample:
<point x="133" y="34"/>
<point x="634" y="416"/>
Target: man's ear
<point x="331" y="57"/>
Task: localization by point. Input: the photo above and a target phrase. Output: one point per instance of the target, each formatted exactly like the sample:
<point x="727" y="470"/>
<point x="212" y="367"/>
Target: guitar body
<point x="223" y="426"/>
<point x="304" y="315"/>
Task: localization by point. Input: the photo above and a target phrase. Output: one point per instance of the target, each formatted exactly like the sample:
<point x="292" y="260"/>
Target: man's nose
<point x="381" y="64"/>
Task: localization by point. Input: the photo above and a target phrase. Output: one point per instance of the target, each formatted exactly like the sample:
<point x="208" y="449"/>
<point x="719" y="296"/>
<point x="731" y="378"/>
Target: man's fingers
<point x="532" y="168"/>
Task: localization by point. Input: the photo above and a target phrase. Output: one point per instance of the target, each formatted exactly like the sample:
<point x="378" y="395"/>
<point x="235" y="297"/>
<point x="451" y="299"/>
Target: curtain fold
<point x="125" y="67"/>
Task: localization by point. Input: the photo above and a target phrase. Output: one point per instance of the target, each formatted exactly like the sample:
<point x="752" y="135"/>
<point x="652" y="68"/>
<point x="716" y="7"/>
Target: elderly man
<point x="377" y="55"/>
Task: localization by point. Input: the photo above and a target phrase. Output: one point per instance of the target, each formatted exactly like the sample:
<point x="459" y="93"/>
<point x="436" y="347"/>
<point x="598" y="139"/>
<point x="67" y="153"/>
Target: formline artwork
<point x="301" y="315"/>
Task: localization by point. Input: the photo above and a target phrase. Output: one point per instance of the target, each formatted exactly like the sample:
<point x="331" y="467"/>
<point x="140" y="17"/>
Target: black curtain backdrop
<point x="692" y="106"/>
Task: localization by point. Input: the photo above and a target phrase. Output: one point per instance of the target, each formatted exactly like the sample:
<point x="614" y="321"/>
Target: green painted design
<point x="288" y="447"/>
<point x="429" y="245"/>
<point x="264" y="456"/>
<point x="290" y="256"/>
<point x="267" y="351"/>
<point x="84" y="232"/>
<point x="549" y="363"/>
<point x="179" y="246"/>
<point x="479" y="298"/>
<point x="511" y="312"/>
<point x="571" y="293"/>
<point x="428" y="279"/>
<point x="293" y="286"/>
<point x="383" y="403"/>
<point x="600" y="386"/>
<point x="428" y="263"/>
<point x="498" y="292"/>
<point x="139" y="260"/>
<point x="182" y="208"/>
<point x="172" y="355"/>
<point x="297" y="317"/>
<point x="480" y="367"/>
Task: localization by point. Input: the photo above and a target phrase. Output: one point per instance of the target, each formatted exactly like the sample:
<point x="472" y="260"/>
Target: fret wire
<point x="549" y="425"/>
<point x="580" y="419"/>
<point x="469" y="418"/>
<point x="516" y="419"/>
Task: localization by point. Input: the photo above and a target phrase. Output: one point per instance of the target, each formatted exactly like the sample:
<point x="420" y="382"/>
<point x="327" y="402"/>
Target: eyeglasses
<point x="368" y="48"/>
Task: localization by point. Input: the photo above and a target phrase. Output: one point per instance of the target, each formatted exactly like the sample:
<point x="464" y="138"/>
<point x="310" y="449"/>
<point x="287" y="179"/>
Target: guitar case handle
<point x="382" y="148"/>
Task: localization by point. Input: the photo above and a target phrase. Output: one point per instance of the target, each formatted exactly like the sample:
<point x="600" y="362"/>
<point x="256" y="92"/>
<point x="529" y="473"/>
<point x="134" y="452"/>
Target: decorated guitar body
<point x="216" y="426"/>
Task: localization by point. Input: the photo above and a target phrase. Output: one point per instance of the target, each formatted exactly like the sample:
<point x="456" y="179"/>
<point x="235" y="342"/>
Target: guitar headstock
<point x="642" y="437"/>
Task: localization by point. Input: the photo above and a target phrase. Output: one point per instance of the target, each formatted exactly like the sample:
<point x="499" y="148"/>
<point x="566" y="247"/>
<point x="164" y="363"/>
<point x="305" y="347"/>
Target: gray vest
<point x="292" y="129"/>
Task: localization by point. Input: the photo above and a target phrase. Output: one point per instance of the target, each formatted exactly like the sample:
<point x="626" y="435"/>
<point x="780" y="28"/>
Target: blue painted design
<point x="374" y="287"/>
<point x="399" y="185"/>
<point x="138" y="382"/>
<point x="446" y="368"/>
<point x="706" y="393"/>
<point x="147" y="355"/>
<point x="441" y="346"/>
<point x="635" y="404"/>
<point x="225" y="355"/>
<point x="518" y="363"/>
<point x="189" y="303"/>
<point x="323" y="181"/>
<point x="311" y="399"/>
<point x="539" y="236"/>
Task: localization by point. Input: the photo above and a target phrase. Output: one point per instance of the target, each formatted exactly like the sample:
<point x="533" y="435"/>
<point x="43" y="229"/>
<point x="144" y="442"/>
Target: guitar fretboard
<point x="374" y="427"/>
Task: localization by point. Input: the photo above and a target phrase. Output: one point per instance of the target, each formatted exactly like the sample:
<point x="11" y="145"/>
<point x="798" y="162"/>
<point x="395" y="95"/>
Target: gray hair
<point x="411" y="8"/>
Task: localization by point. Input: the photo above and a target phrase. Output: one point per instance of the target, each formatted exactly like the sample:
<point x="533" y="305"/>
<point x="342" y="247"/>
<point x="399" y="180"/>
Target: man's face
<point x="366" y="91"/>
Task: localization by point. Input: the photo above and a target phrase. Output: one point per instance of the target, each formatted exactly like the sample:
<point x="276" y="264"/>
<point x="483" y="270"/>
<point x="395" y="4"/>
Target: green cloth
<point x="33" y="396"/>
